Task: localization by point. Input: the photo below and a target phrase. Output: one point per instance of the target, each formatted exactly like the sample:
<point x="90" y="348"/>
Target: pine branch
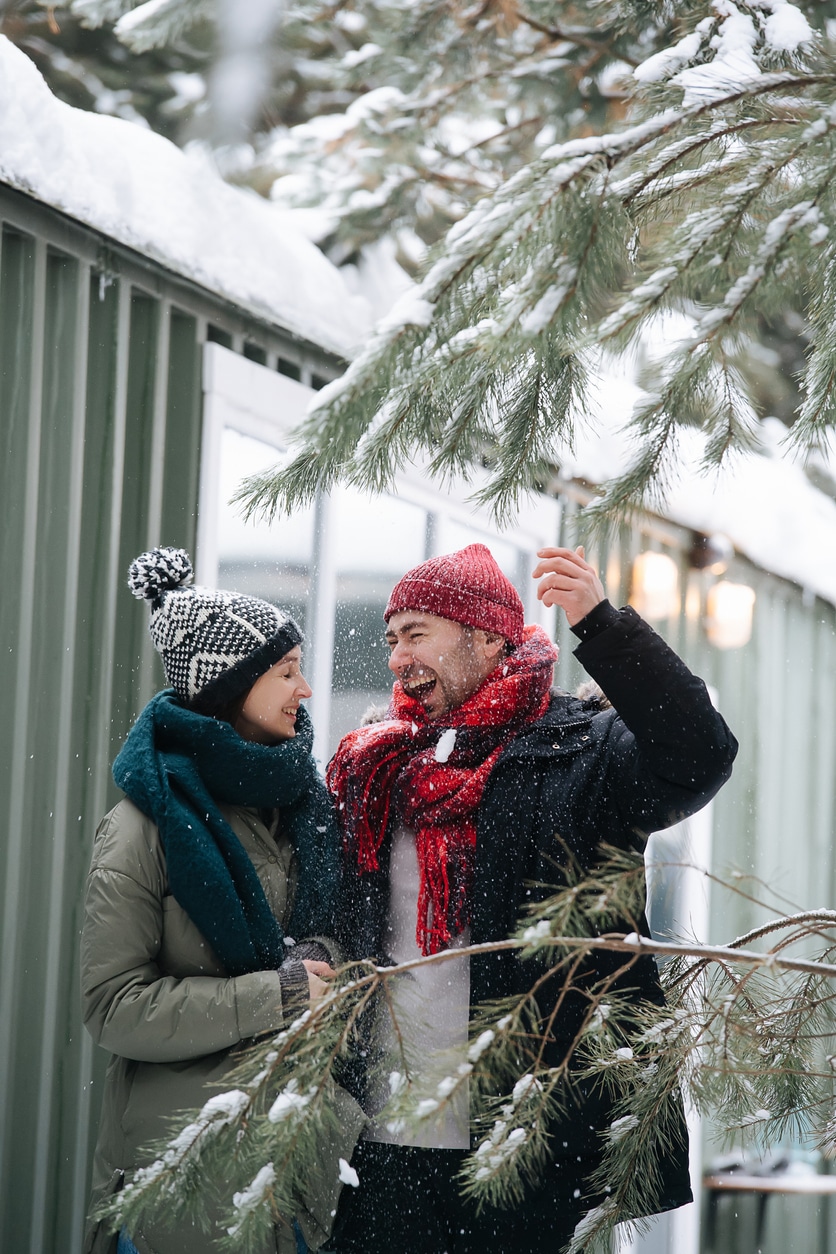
<point x="501" y="248"/>
<point x="744" y="1034"/>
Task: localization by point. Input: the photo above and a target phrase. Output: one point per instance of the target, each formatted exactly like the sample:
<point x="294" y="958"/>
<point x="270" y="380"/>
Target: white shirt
<point x="432" y="1008"/>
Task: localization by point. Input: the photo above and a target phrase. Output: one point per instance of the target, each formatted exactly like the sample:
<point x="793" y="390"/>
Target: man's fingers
<point x="567" y="579"/>
<point x="570" y="559"/>
<point x="558" y="582"/>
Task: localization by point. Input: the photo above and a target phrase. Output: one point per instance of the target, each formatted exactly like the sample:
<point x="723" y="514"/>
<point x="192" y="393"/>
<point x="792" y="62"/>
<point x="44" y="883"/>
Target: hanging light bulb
<point x="654" y="586"/>
<point x="711" y="553"/>
<point x="729" y="612"/>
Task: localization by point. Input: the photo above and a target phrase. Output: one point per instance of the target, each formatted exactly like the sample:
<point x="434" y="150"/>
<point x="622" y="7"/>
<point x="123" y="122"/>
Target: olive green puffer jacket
<point x="157" y="997"/>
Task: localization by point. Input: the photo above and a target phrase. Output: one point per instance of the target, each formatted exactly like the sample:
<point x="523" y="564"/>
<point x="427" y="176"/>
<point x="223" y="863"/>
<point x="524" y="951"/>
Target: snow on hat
<point x="467" y="587"/>
<point x="214" y="645"/>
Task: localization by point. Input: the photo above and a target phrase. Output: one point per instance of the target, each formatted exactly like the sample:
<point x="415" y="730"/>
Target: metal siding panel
<point x="137" y="671"/>
<point x="108" y="346"/>
<point x="16" y="964"/>
<point x="17" y="341"/>
<point x="17" y="266"/>
<point x="40" y="880"/>
<point x="64" y="396"/>
<point x="107" y="387"/>
<point x="182" y="448"/>
<point x="154" y="507"/>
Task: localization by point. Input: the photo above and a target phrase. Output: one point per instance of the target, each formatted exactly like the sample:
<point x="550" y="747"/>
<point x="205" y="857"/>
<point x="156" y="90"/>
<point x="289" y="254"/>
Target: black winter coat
<point x="579" y="777"/>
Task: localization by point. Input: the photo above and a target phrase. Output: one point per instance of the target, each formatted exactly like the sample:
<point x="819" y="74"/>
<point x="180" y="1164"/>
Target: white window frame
<point x="253" y="400"/>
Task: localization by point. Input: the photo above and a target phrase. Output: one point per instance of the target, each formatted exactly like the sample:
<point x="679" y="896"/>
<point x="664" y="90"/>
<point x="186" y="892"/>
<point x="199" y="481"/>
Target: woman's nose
<point x="304" y="689"/>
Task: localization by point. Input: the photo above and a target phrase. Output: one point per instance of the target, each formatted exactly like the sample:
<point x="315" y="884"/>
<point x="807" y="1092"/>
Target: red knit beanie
<point x="467" y="587"/>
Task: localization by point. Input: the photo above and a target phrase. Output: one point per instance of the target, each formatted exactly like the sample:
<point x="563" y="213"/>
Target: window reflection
<point x="376" y="540"/>
<point x="273" y="562"/>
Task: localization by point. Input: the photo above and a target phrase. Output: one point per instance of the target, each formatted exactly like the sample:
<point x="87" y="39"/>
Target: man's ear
<point x="494" y="644"/>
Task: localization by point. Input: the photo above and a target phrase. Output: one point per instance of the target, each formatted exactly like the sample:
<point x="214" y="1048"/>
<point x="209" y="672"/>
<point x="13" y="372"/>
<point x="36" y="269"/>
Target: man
<point x="457" y="812"/>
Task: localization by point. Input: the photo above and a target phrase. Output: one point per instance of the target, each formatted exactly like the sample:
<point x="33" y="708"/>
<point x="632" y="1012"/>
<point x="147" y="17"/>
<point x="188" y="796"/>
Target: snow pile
<point x="537" y="932"/>
<point x="348" y="1175"/>
<point x="620" y="1128"/>
<point x="171" y="206"/>
<point x="481" y="1043"/>
<point x="664" y="64"/>
<point x="289" y="1103"/>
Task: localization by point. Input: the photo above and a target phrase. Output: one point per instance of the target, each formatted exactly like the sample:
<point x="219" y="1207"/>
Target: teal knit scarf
<point x="176" y="765"/>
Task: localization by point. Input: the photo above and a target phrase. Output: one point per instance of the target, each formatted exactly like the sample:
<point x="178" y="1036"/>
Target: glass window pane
<point x="451" y="535"/>
<point x="376" y="541"/>
<point x="270" y="561"/>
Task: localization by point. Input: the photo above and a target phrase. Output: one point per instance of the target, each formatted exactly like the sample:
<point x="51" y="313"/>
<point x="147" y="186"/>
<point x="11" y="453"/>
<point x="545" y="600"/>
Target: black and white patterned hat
<point x="214" y="645"/>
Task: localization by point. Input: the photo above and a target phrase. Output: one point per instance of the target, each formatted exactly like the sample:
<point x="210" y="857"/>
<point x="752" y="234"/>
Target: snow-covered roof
<point x="143" y="191"/>
<point x="763" y="502"/>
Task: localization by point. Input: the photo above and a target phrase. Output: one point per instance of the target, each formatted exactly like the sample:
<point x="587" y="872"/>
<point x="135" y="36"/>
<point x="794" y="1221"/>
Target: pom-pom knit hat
<point x="214" y="645"/>
<point x="467" y="587"/>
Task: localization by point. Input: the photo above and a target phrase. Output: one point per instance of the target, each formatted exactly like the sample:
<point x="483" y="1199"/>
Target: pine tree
<point x="396" y="121"/>
<point x="744" y="1034"/>
<point x="712" y="197"/>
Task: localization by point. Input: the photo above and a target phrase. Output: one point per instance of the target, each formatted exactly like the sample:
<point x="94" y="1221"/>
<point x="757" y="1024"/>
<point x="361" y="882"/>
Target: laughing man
<point x="457" y="809"/>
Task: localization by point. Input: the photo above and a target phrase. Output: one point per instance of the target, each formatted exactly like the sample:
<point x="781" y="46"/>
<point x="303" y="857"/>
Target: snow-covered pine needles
<point x="743" y="1038"/>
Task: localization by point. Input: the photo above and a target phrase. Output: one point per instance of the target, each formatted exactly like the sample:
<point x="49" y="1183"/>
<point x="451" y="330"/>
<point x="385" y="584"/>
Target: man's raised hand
<point x="568" y="580"/>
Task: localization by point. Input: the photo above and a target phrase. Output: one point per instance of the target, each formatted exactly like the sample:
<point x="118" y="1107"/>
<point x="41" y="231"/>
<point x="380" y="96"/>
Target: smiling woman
<point x="271" y="707"/>
<point x="211" y="895"/>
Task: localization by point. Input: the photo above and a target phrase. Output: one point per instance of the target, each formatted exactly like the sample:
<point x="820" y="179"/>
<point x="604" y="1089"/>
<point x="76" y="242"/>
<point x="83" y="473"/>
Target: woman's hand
<point x="318" y="975"/>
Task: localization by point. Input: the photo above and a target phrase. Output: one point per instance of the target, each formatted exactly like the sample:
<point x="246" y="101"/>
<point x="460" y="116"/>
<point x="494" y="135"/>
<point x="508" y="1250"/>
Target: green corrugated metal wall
<point x="100" y="411"/>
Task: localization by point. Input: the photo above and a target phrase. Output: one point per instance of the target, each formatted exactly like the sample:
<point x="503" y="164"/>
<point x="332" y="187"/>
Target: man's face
<point x="438" y="662"/>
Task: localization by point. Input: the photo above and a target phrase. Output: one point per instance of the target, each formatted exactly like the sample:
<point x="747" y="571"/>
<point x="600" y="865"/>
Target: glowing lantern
<point x="654" y="587"/>
<point x="730" y="607"/>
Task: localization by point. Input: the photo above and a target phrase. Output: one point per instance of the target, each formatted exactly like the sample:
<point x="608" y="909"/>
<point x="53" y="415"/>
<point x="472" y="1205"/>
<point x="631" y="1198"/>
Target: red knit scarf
<point x="407" y="761"/>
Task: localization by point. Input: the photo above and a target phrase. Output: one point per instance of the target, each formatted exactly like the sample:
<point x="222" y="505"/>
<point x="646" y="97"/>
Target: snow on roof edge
<point x="143" y="191"/>
<point x="763" y="502"/>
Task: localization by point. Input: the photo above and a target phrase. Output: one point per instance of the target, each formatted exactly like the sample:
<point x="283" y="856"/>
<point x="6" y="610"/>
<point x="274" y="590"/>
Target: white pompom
<point x="158" y="571"/>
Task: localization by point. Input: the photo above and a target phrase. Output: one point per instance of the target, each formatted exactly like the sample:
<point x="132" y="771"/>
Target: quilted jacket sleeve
<point x="129" y="1004"/>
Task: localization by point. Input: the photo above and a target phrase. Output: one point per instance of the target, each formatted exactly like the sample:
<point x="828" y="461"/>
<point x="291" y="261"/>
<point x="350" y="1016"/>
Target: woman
<point x="205" y="877"/>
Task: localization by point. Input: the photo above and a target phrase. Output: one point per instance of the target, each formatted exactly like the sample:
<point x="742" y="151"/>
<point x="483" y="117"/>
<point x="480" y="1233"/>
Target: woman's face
<point x="269" y="711"/>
